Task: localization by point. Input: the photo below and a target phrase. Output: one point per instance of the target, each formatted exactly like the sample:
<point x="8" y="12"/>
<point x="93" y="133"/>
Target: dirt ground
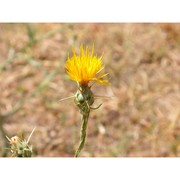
<point x="141" y="120"/>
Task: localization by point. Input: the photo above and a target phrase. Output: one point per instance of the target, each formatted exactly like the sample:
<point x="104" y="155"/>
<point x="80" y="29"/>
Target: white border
<point x="89" y="11"/>
<point x="91" y="168"/>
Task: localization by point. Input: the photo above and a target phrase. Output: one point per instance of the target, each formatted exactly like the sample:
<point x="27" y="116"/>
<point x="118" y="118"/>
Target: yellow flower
<point x="86" y="67"/>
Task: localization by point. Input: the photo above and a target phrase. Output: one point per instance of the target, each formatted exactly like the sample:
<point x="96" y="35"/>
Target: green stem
<point x="84" y="118"/>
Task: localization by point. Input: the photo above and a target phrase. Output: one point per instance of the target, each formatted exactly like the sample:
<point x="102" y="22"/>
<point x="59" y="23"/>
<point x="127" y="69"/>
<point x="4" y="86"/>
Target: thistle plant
<point x="20" y="147"/>
<point x="85" y="68"/>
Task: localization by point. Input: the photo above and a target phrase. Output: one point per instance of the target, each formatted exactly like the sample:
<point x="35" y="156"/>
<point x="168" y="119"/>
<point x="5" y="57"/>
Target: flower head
<point x="86" y="67"/>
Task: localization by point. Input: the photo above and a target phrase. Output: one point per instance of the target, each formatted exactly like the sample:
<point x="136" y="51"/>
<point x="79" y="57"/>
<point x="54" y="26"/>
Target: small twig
<point x="11" y="56"/>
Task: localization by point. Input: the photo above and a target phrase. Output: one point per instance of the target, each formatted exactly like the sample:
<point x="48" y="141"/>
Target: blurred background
<point x="141" y="120"/>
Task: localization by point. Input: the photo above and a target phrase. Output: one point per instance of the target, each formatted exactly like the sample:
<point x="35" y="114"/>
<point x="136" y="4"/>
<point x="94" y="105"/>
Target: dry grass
<point x="143" y="61"/>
